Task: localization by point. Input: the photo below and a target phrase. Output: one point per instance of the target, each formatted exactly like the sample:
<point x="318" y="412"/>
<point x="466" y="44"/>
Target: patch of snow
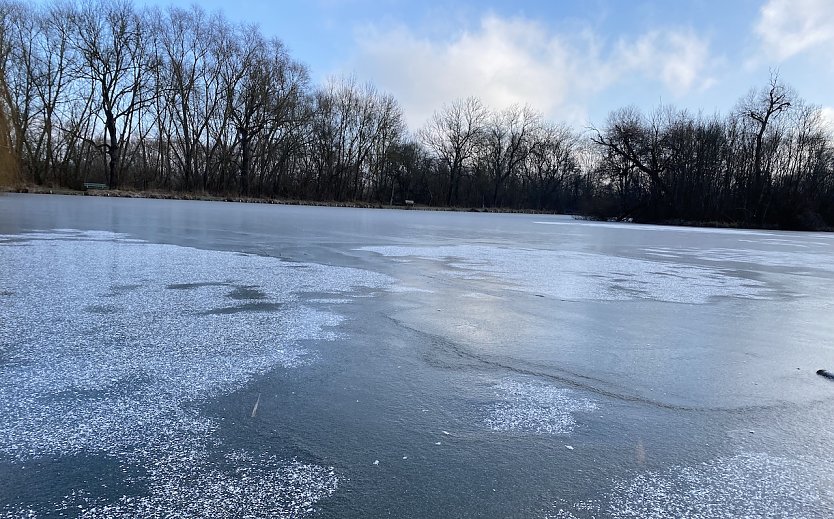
<point x="744" y="485"/>
<point x="108" y="346"/>
<point x="535" y="407"/>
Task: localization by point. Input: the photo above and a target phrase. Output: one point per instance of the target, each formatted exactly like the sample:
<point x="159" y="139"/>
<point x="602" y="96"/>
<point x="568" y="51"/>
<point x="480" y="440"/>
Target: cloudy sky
<point x="573" y="60"/>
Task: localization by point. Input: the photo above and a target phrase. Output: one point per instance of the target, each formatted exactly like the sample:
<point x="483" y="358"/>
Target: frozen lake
<point x="198" y="358"/>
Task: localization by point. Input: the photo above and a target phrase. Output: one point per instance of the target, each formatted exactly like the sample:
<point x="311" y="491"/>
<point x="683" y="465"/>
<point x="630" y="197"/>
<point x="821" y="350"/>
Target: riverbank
<point x="170" y="195"/>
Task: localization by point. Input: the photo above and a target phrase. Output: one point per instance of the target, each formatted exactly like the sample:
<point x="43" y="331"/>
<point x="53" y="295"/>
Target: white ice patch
<point x="329" y="301"/>
<point x="624" y="226"/>
<point x="192" y="487"/>
<point x="109" y="345"/>
<point x="745" y="485"/>
<point x="799" y="260"/>
<point x="579" y="276"/>
<point x="251" y="487"/>
<point x="535" y="407"/>
<point x="406" y="289"/>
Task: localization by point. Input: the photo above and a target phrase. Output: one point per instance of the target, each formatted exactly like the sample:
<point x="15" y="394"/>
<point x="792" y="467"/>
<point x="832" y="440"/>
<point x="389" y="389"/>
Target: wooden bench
<point x="409" y="202"/>
<point x="94" y="185"/>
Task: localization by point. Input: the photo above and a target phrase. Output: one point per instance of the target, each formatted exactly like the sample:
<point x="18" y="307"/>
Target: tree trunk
<point x="244" y="161"/>
<point x="113" y="149"/>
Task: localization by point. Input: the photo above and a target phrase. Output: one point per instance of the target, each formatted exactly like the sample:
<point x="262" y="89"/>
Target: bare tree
<point x="263" y="87"/>
<point x="453" y="134"/>
<point x="111" y="40"/>
<point x="185" y="76"/>
<point x="550" y="159"/>
<point x="17" y="48"/>
<point x="638" y="141"/>
<point x="51" y="70"/>
<point x="506" y="143"/>
<point x="762" y="107"/>
<point x="9" y="165"/>
<point x="284" y="85"/>
<point x="353" y="127"/>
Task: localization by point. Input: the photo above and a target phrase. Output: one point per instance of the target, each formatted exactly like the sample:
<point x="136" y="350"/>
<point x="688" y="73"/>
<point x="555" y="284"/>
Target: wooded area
<point x="183" y="100"/>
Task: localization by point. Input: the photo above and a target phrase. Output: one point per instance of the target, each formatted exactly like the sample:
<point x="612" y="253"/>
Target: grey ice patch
<point x="102" y="309"/>
<point x="79" y="379"/>
<point x="246" y="293"/>
<point x="579" y="276"/>
<point x="117" y="289"/>
<point x="745" y="485"/>
<point x="535" y="407"/>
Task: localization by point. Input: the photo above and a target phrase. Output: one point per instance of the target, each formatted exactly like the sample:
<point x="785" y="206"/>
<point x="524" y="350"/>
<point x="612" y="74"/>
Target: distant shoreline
<point x="170" y="195"/>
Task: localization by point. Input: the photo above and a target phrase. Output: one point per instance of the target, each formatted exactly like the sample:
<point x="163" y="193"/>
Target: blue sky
<point x="573" y="60"/>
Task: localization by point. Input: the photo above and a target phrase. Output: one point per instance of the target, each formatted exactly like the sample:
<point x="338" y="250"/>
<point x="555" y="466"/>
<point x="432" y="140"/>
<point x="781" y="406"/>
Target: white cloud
<point x="677" y="59"/>
<point x="506" y="61"/>
<point x="790" y="27"/>
<point x="827" y="114"/>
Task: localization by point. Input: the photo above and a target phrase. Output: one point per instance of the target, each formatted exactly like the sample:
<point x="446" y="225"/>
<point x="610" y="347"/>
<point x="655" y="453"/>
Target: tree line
<point x="183" y="100"/>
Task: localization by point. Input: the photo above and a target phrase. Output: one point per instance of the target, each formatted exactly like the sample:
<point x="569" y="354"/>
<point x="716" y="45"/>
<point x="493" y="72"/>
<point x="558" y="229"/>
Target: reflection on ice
<point x="584" y="276"/>
<point x="535" y="407"/>
<point x="623" y="226"/>
<point x="799" y="260"/>
<point x="107" y="346"/>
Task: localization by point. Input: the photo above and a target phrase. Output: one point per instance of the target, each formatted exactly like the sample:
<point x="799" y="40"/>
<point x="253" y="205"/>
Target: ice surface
<point x="658" y="228"/>
<point x="744" y="485"/>
<point x="535" y="407"/>
<point x="186" y="485"/>
<point x="408" y="289"/>
<point x="799" y="260"/>
<point x="329" y="301"/>
<point x="587" y="276"/>
<point x="109" y="345"/>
